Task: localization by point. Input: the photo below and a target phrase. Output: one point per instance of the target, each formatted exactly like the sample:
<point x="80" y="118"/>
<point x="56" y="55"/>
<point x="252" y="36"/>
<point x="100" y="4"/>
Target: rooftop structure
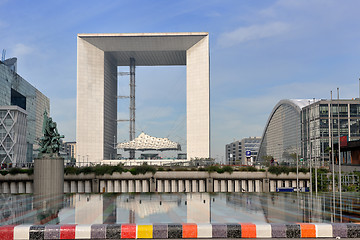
<point x="145" y="142"/>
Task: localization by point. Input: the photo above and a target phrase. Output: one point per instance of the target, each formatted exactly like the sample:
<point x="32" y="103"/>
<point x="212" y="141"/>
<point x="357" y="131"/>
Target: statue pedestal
<point x="48" y="180"/>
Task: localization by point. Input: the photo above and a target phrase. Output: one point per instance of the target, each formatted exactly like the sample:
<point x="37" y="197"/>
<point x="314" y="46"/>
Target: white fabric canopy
<point x="145" y="142"/>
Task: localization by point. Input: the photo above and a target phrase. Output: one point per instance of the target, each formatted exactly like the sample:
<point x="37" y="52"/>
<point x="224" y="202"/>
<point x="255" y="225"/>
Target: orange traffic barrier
<point x="308" y="230"/>
<point x="248" y="230"/>
<point x="189" y="230"/>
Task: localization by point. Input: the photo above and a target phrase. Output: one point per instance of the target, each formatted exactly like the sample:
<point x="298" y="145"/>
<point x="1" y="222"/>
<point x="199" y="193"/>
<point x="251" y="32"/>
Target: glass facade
<point x="334" y="116"/>
<point x="306" y="128"/>
<point x="16" y="90"/>
<point x="281" y="139"/>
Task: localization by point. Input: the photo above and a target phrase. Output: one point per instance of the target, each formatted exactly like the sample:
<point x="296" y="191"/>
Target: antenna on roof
<point x="3" y="55"/>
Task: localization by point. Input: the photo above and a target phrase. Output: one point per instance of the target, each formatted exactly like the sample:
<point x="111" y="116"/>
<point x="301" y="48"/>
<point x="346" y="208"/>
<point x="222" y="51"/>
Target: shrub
<point x="142" y="169"/>
<point x="87" y="170"/>
<point x="228" y="169"/>
<point x="70" y="170"/>
<point x="104" y="169"/>
<point x="212" y="169"/>
<point x="14" y="171"/>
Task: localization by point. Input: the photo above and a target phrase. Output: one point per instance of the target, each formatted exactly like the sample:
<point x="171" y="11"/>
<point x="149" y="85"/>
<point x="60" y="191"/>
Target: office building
<point x="99" y="55"/>
<point x="243" y="152"/>
<point x="16" y="91"/>
<point x="299" y="129"/>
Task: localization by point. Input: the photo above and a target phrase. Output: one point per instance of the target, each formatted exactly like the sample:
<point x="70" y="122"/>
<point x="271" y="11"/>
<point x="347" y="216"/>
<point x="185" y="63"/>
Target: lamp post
<point x="309" y="138"/>
<point x="332" y="154"/>
<point x="339" y="140"/>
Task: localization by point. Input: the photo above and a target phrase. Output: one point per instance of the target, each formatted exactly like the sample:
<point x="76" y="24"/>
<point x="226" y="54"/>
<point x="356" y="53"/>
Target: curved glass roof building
<point x="281" y="139"/>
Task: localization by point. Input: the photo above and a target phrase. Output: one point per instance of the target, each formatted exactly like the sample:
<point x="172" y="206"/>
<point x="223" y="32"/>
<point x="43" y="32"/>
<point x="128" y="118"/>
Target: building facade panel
<point x="198" y="100"/>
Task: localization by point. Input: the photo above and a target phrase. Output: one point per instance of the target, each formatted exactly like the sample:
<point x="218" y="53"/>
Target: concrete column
<point x="124" y="186"/>
<point x="237" y="185"/>
<point x="266" y="185"/>
<point x="272" y="186"/>
<point x="159" y="186"/>
<point x="80" y="186"/>
<point x="286" y="183"/>
<point x="117" y="186"/>
<point x="174" y="186"/>
<point x="181" y="185"/>
<point x="257" y="185"/>
<point x="95" y="185"/>
<point x="5" y="187"/>
<point x="131" y="185"/>
<point x="293" y="184"/>
<point x="152" y="184"/>
<point x="29" y="188"/>
<point x="138" y="186"/>
<point x="230" y="185"/>
<point x="102" y="186"/>
<point x="187" y="186"/>
<point x="21" y="187"/>
<point x="202" y="185"/>
<point x="13" y="187"/>
<point x="166" y="186"/>
<point x="73" y="187"/>
<point x="110" y="186"/>
<point x="243" y="186"/>
<point x="279" y="183"/>
<point x="223" y="186"/>
<point x="194" y="187"/>
<point x="301" y="183"/>
<point x="88" y="186"/>
<point x="251" y="185"/>
<point x="66" y="187"/>
<point x="307" y="182"/>
<point x="209" y="185"/>
<point x="216" y="186"/>
<point x="145" y="186"/>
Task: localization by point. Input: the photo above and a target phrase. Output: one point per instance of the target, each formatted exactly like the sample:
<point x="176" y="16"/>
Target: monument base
<point x="48" y="175"/>
<point x="48" y="184"/>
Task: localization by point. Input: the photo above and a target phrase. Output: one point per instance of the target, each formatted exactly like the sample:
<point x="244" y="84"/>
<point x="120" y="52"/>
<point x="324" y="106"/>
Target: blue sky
<point x="260" y="52"/>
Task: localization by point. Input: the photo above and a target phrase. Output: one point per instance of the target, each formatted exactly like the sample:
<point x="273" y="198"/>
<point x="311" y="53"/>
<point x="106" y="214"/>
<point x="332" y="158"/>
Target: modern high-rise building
<point x="322" y="121"/>
<point x="16" y="91"/>
<point x="243" y="152"/>
<point x="299" y="129"/>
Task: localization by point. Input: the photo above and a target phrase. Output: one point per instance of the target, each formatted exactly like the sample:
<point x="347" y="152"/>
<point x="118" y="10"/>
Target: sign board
<point x="248" y="153"/>
<point x="343" y="141"/>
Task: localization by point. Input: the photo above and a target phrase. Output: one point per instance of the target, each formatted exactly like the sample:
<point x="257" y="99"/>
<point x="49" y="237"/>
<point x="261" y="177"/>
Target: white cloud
<point x="254" y="32"/>
<point x="21" y="49"/>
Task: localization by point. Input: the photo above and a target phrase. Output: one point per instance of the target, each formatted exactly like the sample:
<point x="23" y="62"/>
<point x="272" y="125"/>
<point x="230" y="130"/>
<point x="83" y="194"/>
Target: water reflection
<point x="180" y="208"/>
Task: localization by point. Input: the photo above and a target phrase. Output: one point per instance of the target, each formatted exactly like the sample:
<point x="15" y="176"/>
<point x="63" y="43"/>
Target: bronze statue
<point x="50" y="142"/>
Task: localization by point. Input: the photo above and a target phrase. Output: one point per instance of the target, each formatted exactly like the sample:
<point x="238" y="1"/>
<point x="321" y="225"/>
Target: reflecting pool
<point x="180" y="208"/>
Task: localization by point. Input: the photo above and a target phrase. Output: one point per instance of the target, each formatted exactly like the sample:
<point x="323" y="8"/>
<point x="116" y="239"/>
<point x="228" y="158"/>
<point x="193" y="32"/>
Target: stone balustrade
<point x="174" y="181"/>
